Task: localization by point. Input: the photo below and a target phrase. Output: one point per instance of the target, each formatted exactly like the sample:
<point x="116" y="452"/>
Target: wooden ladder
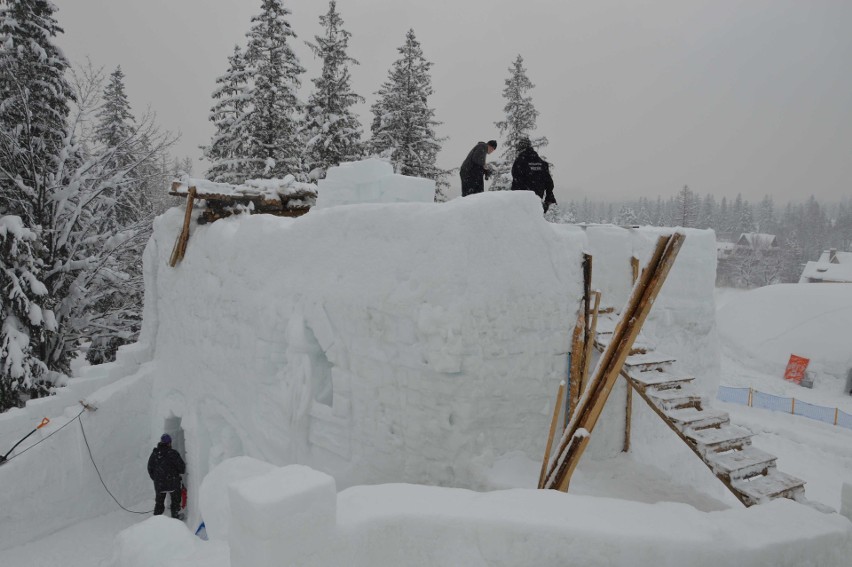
<point x="749" y="473"/>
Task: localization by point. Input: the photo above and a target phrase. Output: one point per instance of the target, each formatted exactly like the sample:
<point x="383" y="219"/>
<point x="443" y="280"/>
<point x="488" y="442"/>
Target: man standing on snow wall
<point x="165" y="467"/>
<point x="473" y="168"/>
<point x="531" y="173"/>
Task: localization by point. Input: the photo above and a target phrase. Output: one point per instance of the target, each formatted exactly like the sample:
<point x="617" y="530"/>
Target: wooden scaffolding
<point x="749" y="473"/>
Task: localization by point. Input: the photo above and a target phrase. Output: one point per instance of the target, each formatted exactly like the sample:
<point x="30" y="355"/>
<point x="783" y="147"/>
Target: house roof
<point x="825" y="272"/>
<point x="757" y="240"/>
<point x="840" y="257"/>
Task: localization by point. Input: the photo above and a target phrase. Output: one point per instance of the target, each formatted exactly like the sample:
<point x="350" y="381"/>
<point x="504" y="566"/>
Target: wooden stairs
<point x="749" y="473"/>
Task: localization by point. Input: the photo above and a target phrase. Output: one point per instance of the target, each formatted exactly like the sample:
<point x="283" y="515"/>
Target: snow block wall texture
<point x="55" y="485"/>
<point x="378" y="342"/>
<point x="293" y="516"/>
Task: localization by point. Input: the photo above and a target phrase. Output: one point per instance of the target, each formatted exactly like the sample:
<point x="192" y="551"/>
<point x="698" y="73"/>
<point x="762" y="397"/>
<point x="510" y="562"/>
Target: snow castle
<point x="374" y="342"/>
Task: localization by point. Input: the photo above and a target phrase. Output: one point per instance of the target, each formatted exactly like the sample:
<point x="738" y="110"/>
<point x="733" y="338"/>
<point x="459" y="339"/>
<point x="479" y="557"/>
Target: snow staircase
<point x="749" y="473"/>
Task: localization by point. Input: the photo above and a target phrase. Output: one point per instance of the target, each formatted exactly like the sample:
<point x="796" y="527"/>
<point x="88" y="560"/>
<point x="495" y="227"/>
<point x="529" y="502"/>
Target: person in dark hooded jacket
<point x="473" y="168"/>
<point x="531" y="173"/>
<point x="165" y="467"/>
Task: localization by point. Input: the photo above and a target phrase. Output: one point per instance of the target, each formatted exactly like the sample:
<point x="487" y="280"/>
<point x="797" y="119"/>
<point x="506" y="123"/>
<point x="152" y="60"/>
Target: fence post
<point x="749" y="396"/>
<point x="836" y="410"/>
<point x="793" y="406"/>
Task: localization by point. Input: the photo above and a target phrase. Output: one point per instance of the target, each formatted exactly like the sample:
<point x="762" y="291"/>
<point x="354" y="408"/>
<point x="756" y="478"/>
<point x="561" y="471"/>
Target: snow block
<point x="213" y="494"/>
<point x="281" y="517"/>
<point x="371" y="181"/>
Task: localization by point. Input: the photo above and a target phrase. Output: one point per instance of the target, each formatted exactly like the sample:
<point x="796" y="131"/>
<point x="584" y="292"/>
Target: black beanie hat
<point x="493" y="143"/>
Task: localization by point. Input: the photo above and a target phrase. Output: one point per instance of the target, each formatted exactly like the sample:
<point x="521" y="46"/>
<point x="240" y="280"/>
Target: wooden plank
<point x="556" y="410"/>
<point x="628" y="415"/>
<point x="628" y="410"/>
<point x="575" y="438"/>
<point x="587" y="357"/>
<point x="587" y="298"/>
<point x="180" y="244"/>
<point x="576" y="368"/>
<point x="772" y="485"/>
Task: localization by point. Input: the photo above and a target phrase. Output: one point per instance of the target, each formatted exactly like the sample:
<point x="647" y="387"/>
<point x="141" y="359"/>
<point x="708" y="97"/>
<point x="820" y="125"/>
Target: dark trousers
<point x="471" y="184"/>
<point x="174" y="503"/>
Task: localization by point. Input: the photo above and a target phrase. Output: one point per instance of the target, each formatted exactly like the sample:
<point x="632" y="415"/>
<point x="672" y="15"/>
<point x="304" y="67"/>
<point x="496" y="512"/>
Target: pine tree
<point x="228" y="147"/>
<point x="766" y="222"/>
<point x="274" y="114"/>
<point x="707" y="212"/>
<point x="58" y="178"/>
<point x="403" y="126"/>
<point x="115" y="132"/>
<point x="686" y="211"/>
<point x="23" y="318"/>
<point x="115" y="316"/>
<point x="332" y="131"/>
<point x="520" y="122"/>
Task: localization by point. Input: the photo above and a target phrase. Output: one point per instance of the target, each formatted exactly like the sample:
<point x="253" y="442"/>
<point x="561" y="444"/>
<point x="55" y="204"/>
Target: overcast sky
<point x="636" y="97"/>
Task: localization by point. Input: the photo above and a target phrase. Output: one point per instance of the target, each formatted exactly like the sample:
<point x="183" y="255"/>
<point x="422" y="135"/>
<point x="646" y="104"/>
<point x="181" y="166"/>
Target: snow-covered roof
<point x="826" y="272"/>
<point x="757" y="240"/>
<point x="835" y="257"/>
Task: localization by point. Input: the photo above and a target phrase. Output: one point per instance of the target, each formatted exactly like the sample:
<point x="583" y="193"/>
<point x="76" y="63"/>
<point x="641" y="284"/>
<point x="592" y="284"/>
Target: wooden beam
<point x="628" y="410"/>
<point x="576" y="368"/>
<point x="556" y="411"/>
<point x="180" y="244"/>
<point x="628" y="416"/>
<point x="577" y="434"/>
<point x="587" y="295"/>
<point x="587" y="357"/>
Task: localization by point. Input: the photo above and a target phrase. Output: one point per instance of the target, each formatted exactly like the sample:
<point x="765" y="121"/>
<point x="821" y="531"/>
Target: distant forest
<point x="803" y="230"/>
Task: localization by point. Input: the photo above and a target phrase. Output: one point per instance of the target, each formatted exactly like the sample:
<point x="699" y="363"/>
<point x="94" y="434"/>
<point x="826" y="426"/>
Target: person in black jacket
<point x="473" y="168"/>
<point x="531" y="173"/>
<point x="165" y="467"/>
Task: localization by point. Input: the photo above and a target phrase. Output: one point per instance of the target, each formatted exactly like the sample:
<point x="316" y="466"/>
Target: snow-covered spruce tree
<point x="332" y="132"/>
<point x="403" y="126"/>
<point x="23" y="318"/>
<point x="115" y="317"/>
<point x="273" y="119"/>
<point x="115" y="130"/>
<point x="36" y="99"/>
<point x="686" y="208"/>
<point x="60" y="180"/>
<point x="519" y="122"/>
<point x="228" y="148"/>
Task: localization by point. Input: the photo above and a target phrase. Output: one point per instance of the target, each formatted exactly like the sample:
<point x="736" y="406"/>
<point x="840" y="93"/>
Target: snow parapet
<point x="293" y="516"/>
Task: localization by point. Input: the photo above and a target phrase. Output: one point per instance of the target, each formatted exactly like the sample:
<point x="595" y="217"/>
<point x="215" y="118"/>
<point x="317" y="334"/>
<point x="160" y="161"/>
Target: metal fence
<point x="752" y="398"/>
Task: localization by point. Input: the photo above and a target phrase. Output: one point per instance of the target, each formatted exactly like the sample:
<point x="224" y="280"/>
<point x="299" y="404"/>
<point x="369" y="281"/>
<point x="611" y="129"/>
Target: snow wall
<point x="411" y="342"/>
<point x="50" y="481"/>
<point x="295" y="516"/>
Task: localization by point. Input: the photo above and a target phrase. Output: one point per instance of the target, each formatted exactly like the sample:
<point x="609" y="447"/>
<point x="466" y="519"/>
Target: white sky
<point x="636" y="97"/>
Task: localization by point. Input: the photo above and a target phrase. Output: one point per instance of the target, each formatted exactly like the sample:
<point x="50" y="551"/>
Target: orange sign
<point x="796" y="368"/>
